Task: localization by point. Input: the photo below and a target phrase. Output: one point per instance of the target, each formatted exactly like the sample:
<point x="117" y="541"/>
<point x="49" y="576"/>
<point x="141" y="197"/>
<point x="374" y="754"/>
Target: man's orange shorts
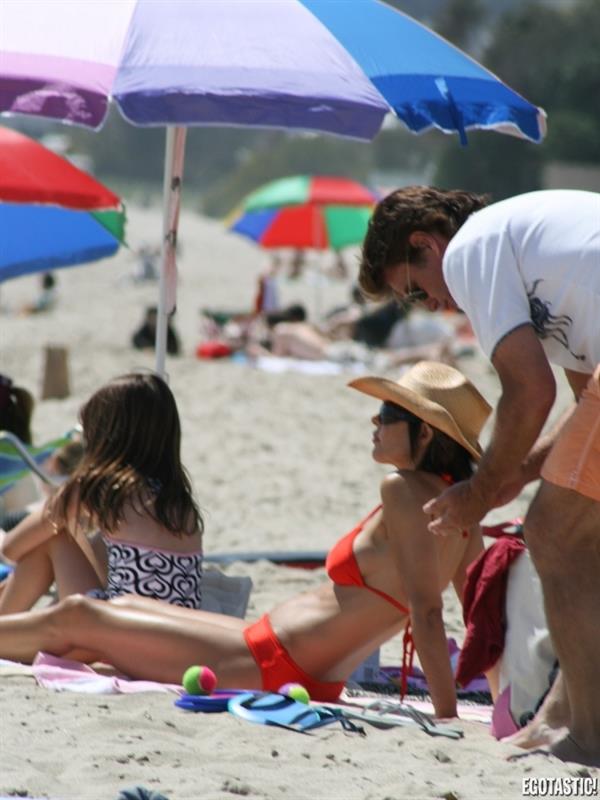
<point x="574" y="460"/>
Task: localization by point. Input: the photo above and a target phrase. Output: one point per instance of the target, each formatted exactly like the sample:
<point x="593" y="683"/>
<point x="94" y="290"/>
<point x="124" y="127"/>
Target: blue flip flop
<point x="270" y="708"/>
<point x="208" y="703"/>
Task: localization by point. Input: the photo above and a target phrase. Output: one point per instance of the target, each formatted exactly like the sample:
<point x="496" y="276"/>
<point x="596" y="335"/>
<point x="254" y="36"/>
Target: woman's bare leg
<point x="147" y="644"/>
<point x="137" y="603"/>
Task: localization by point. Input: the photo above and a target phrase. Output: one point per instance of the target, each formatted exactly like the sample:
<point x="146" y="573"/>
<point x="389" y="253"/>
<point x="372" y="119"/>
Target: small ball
<point x="199" y="680"/>
<point x="296" y="691"/>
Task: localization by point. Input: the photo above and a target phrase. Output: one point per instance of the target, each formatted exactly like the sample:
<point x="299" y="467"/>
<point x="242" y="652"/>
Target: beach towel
<point x="64" y="675"/>
<point x="470" y="711"/>
<point x="484" y="608"/>
<point x="280" y="364"/>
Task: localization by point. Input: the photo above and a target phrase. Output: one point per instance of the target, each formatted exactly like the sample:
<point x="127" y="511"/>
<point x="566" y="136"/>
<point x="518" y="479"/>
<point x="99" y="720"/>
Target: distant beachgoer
<point x="46" y="299"/>
<point x="145" y="336"/>
<point x="16" y="412"/>
<point x="125" y="520"/>
<point x="385" y="333"/>
<point x="297" y="264"/>
<point x="147" y="266"/>
<point x="267" y="292"/>
<point x="386" y="576"/>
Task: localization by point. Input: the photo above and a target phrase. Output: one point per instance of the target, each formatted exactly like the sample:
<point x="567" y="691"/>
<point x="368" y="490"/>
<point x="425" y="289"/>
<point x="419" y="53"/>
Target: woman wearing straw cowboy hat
<point x="385" y="573"/>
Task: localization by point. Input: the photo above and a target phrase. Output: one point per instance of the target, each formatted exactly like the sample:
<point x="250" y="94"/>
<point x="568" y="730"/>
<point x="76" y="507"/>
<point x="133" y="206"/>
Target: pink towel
<point x="63" y="675"/>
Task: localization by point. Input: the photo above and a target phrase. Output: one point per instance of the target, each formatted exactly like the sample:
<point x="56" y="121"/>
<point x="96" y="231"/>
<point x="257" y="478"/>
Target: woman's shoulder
<point x="410" y="486"/>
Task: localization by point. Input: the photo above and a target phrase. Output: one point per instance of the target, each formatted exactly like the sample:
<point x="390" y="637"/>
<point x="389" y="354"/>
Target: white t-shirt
<point x="534" y="258"/>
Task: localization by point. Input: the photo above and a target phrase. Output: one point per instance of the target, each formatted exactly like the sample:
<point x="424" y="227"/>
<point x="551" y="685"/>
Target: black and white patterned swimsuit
<point x="151" y="572"/>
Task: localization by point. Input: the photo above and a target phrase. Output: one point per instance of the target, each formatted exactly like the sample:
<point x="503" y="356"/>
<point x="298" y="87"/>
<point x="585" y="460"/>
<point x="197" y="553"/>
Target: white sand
<point x="278" y="462"/>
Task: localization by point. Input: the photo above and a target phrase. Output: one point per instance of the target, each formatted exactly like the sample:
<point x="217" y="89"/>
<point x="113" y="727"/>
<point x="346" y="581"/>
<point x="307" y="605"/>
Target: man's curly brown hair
<point x="397" y="216"/>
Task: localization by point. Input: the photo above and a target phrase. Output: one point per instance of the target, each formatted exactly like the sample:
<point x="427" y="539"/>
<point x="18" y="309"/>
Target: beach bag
<point x="225" y="594"/>
<point x="528" y="662"/>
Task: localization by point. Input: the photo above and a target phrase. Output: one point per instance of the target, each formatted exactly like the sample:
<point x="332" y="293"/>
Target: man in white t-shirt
<point x="526" y="272"/>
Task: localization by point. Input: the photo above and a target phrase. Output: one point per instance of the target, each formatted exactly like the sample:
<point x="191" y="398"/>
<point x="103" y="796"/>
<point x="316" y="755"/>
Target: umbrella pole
<point x="167" y="291"/>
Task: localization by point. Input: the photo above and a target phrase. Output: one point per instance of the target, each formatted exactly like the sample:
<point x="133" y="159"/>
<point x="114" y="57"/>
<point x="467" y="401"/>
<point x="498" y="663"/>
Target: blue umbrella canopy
<point x="314" y="64"/>
<point x="37" y="238"/>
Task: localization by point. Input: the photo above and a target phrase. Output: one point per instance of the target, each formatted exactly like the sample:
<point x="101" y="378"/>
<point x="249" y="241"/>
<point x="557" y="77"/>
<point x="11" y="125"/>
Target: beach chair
<point x="17" y="459"/>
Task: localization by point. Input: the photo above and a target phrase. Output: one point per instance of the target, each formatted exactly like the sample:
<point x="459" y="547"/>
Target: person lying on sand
<point x="386" y="576"/>
<point x="131" y="486"/>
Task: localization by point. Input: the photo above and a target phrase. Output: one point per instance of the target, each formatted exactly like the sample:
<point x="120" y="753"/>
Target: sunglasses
<point x="390" y="413"/>
<point x="413" y="293"/>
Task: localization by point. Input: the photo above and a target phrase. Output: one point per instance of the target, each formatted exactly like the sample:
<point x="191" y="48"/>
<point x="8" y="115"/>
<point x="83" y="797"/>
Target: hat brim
<point x="428" y="410"/>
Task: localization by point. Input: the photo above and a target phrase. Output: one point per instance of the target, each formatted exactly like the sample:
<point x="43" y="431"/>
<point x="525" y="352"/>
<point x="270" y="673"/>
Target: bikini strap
<point x="408" y="655"/>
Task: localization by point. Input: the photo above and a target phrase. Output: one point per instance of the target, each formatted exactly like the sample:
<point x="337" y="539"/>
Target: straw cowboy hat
<point x="438" y="394"/>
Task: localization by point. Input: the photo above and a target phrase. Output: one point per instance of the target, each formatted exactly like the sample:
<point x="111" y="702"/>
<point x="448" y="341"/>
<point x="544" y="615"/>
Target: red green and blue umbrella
<point x="52" y="214"/>
<point x="303" y="211"/>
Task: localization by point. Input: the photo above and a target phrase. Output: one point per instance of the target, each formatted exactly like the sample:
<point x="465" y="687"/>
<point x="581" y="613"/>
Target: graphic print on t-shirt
<point x="545" y="324"/>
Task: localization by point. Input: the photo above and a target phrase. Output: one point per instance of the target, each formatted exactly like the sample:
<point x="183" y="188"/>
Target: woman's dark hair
<point x="397" y="216"/>
<point x="293" y="313"/>
<point x="444" y="456"/>
<point x="132" y="439"/>
<point x="16" y="409"/>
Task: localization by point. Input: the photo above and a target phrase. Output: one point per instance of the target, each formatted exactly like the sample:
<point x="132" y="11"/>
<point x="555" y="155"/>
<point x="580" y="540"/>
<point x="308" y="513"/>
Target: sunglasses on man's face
<point x="390" y="413"/>
<point x="413" y="293"/>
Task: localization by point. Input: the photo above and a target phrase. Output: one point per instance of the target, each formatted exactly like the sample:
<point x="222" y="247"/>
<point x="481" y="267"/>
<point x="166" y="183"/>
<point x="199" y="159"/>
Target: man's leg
<point x="562" y="530"/>
<point x="551" y="722"/>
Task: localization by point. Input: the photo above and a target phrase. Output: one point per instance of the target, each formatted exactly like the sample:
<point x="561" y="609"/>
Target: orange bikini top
<point x="342" y="566"/>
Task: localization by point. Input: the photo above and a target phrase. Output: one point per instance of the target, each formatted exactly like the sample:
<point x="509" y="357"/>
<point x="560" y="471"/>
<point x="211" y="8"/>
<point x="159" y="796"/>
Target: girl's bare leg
<point x="59" y="559"/>
<point x="147" y="644"/>
<point x="31" y="578"/>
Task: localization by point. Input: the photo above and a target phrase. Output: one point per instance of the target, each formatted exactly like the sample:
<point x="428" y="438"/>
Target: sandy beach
<point x="278" y="461"/>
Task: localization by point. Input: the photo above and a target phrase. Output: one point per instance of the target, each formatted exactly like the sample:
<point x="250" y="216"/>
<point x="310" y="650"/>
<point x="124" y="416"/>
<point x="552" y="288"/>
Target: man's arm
<point x="528" y="392"/>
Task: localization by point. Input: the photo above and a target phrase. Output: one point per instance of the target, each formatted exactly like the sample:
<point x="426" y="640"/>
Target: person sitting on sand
<point x="131" y="487"/>
<point x="46" y="299"/>
<point x="387" y="575"/>
<point x="144" y="338"/>
<point x="16" y="412"/>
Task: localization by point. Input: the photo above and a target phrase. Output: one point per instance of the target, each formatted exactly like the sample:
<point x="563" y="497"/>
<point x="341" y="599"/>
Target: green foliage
<point x="500" y="165"/>
<point x="551" y="56"/>
<point x="278" y="154"/>
<point x="459" y="21"/>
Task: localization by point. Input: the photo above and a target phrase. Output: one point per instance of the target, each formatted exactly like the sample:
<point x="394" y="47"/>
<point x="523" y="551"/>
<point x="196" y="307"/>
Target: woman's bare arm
<point x="417" y="562"/>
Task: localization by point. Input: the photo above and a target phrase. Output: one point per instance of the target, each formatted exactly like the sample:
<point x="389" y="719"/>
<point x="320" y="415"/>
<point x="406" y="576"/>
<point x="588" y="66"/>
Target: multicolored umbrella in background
<point x="303" y="211"/>
<point x="52" y="214"/>
<point x="321" y="65"/>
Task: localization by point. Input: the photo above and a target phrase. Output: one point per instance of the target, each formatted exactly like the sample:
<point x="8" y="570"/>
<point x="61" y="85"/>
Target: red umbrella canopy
<point x="30" y="173"/>
<point x="313" y="189"/>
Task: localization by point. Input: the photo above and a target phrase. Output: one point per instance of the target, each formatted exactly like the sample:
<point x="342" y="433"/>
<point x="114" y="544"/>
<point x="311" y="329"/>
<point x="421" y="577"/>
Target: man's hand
<point x="457" y="508"/>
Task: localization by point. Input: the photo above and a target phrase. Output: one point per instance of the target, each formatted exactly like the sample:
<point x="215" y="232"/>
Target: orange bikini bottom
<point x="277" y="667"/>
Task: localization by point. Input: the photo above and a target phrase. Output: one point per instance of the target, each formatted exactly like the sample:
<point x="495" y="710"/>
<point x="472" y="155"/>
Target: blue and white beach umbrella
<point x="323" y="65"/>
